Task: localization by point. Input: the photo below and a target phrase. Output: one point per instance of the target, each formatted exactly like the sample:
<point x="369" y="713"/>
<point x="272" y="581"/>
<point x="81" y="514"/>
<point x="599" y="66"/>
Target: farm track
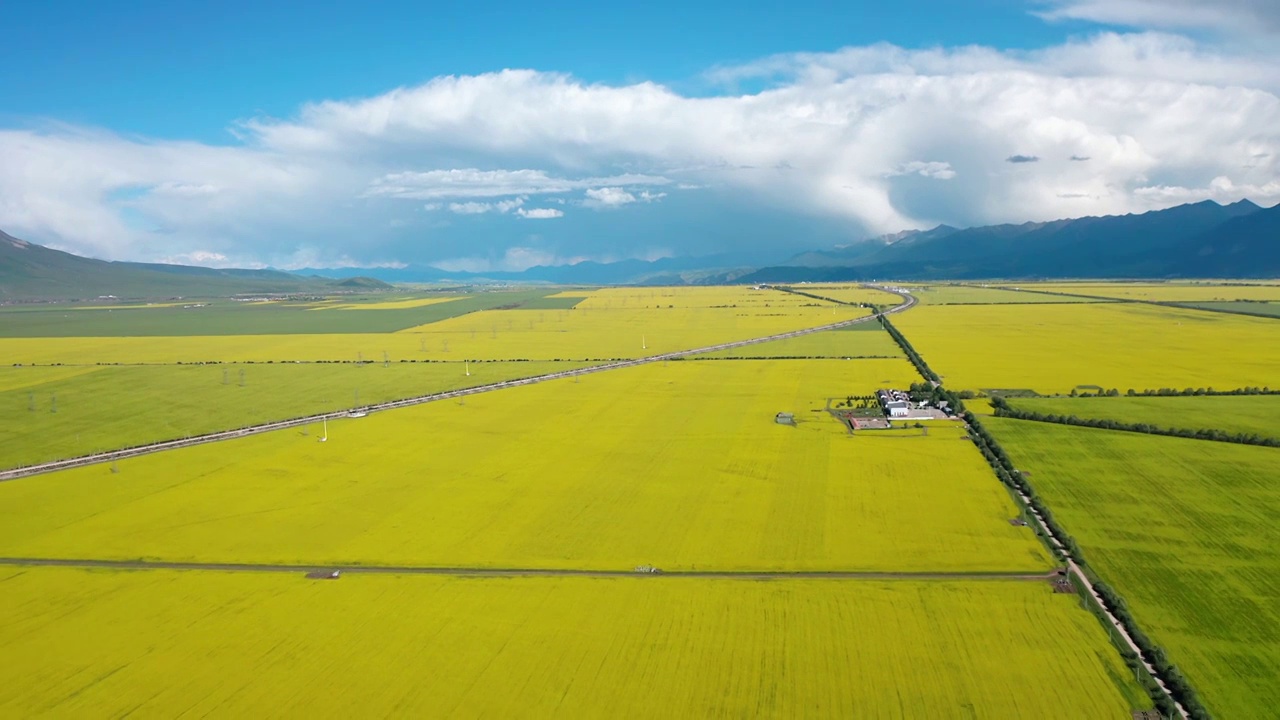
<point x="522" y="572"/>
<point x="123" y="453"/>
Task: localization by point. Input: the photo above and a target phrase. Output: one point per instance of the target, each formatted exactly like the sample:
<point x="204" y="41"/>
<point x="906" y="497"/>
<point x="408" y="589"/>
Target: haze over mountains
<point x="1205" y="239"/>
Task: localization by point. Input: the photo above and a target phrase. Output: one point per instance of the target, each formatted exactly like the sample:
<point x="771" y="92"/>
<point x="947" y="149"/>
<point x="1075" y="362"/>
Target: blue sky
<point x="123" y="65"/>
<point x="327" y="133"/>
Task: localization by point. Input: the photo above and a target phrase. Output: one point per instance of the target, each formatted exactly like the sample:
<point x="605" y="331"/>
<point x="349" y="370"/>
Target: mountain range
<point x="1204" y="239"/>
<point x="33" y="272"/>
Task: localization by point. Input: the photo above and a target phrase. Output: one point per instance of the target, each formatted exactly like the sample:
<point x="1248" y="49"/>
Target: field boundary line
<point x="984" y="575"/>
<point x="123" y="453"/>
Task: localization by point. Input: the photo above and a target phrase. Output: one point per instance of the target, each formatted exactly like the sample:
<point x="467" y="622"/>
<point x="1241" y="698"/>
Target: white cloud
<point x="833" y="137"/>
<point x="609" y="196"/>
<point x="470" y="182"/>
<point x="932" y="169"/>
<point x="197" y="257"/>
<point x="612" y="197"/>
<point x="1220" y="189"/>
<point x="1236" y="16"/>
<point x="540" y="213"/>
<point x="477" y="208"/>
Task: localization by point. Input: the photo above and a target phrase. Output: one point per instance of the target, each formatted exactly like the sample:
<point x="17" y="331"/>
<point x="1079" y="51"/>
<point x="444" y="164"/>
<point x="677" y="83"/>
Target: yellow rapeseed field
<point x="391" y="304"/>
<point x="1166" y="292"/>
<point x="981" y="295"/>
<point x="1053" y="348"/>
<point x="678" y="465"/>
<point x="162" y="644"/>
<point x="48" y="413"/>
<point x="845" y="292"/>
<point x="598" y="328"/>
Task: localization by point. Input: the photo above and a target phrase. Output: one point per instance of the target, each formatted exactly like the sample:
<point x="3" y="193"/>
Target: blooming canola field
<point x="642" y="541"/>
<point x="579" y="333"/>
<point x="678" y="465"/>
<point x="1054" y="348"/>
<point x="156" y="643"/>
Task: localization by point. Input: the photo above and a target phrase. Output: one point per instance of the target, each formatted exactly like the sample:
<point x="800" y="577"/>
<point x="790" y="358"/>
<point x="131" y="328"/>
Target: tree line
<point x="1174" y="392"/>
<point x="1004" y="409"/>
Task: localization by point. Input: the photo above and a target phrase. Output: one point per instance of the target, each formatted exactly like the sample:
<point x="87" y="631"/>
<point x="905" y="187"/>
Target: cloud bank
<point x="876" y="139"/>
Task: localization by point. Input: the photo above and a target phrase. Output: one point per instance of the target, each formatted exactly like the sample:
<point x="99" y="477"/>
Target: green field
<point x="229" y="317"/>
<point x="1247" y="414"/>
<point x="1186" y="531"/>
<point x="48" y="413"/>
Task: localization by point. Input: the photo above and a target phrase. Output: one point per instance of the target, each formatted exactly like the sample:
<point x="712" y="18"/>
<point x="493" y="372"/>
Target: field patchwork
<point x="678" y="465"/>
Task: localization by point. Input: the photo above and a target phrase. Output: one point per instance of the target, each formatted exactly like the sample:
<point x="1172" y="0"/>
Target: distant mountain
<point x="1247" y="246"/>
<point x="34" y="272"/>
<point x="363" y="283"/>
<point x="680" y="271"/>
<point x="1202" y="239"/>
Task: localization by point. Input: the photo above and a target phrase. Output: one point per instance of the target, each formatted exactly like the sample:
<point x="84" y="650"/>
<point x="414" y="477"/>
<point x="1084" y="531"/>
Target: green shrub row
<point x="1003" y="409"/>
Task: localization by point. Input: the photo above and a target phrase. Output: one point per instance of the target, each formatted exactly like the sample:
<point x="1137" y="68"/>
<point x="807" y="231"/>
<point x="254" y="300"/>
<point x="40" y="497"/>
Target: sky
<point x="497" y="136"/>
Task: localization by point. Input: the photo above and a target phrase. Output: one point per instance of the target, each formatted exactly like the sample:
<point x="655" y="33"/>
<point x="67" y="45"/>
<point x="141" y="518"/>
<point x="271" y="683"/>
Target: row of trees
<point x="1177" y="683"/>
<point x="1174" y="392"/>
<point x="1004" y="469"/>
<point x="1004" y="409"/>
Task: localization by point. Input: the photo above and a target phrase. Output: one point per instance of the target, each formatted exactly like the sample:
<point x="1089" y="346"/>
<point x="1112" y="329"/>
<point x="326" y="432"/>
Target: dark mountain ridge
<point x="1203" y="239"/>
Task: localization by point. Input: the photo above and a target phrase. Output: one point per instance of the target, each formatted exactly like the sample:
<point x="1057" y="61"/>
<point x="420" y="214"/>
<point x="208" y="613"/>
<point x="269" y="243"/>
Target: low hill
<point x="33" y="272"/>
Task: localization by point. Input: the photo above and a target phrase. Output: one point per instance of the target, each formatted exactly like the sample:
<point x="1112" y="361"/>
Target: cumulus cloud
<point x="1220" y="189"/>
<point x="932" y="169"/>
<point x="540" y="213"/>
<point x="471" y="182"/>
<point x="612" y="197"/>
<point x="479" y="208"/>
<point x="842" y="137"/>
<point x="1237" y="16"/>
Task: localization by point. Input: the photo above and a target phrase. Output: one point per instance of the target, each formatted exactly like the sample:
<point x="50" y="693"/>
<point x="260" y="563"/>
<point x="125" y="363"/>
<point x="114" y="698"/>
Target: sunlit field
<point x="1246" y="414"/>
<point x="679" y="465"/>
<point x="854" y="341"/>
<point x="1168" y="292"/>
<point x="50" y="413"/>
<point x="602" y="326"/>
<point x="1186" y="531"/>
<point x="848" y="292"/>
<point x="982" y="295"/>
<point x="109" y="643"/>
<point x="1054" y="348"/>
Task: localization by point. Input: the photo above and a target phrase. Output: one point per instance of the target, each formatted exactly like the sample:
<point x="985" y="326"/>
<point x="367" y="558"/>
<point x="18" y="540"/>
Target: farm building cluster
<point x="897" y="405"/>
